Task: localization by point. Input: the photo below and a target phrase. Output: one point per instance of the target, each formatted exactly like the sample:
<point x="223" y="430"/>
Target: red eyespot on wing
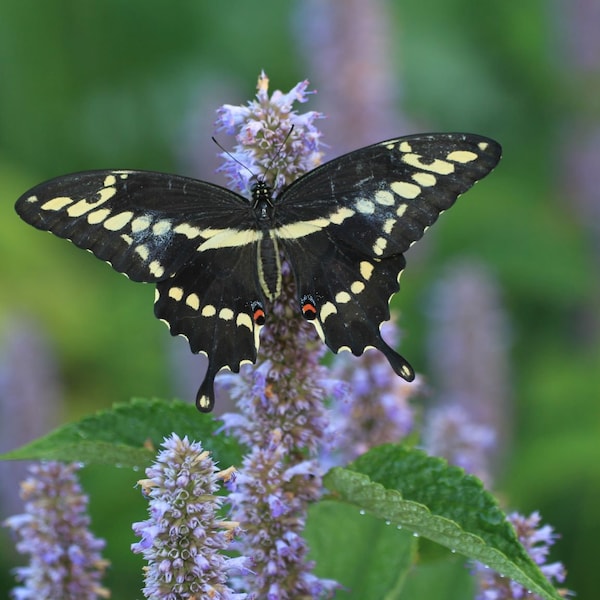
<point x="259" y="316"/>
<point x="309" y="311"/>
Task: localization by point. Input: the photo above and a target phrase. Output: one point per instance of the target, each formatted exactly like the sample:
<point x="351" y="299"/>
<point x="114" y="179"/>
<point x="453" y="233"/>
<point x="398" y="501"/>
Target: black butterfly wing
<point x="197" y="241"/>
<point x="145" y="224"/>
<point x="346" y="295"/>
<point x="216" y="303"/>
<point x="345" y="225"/>
<point x="380" y="199"/>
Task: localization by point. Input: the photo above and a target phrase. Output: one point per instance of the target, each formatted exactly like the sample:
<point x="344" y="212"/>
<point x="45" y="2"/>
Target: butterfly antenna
<point x="232" y="157"/>
<point x="279" y="151"/>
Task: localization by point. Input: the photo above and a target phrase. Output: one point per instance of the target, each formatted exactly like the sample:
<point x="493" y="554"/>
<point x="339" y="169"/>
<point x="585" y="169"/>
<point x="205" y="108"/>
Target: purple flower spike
<point x="451" y="433"/>
<point x="280" y="401"/>
<point x="375" y="407"/>
<point x="65" y="560"/>
<point x="272" y="138"/>
<point x="184" y="536"/>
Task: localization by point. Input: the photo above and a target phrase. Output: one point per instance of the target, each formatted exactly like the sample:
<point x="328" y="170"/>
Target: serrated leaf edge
<point x="366" y="493"/>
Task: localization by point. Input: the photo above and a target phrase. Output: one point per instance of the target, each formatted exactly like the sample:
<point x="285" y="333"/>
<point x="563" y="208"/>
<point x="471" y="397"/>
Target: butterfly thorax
<point x="262" y="201"/>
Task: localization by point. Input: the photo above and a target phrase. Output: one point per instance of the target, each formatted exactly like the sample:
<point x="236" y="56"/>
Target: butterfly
<point x="215" y="256"/>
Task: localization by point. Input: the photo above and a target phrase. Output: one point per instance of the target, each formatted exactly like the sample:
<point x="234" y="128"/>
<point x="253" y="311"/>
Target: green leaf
<point x="441" y="503"/>
<point x="128" y="435"/>
<point x="367" y="556"/>
<point x="442" y="579"/>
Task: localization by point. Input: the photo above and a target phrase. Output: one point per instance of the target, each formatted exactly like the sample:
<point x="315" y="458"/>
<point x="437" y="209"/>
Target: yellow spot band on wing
<point x="405" y="189"/>
<point x="226" y="314"/>
<point x="118" y="221"/>
<point x="208" y="311"/>
<point x="142" y="251"/>
<point x="228" y="238"/>
<point x="161" y="227"/>
<point x="156" y="269"/>
<point x="187" y="230"/>
<point x="385" y="198"/>
<point x="83" y="206"/>
<point x="441" y="167"/>
<point x="327" y="310"/>
<point x="365" y="206"/>
<point x="97" y="216"/>
<point x="462" y="156"/>
<point x="366" y="269"/>
<point x="176" y="293"/>
<point x="244" y="320"/>
<point x="140" y="224"/>
<point x="193" y="302"/>
<point x="357" y="287"/>
<point x="424" y="179"/>
<point x="301" y="229"/>
<point x="56" y="203"/>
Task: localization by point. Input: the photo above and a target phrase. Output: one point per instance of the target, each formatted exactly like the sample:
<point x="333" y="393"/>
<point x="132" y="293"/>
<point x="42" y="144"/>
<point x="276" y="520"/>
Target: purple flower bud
<point x="272" y="138"/>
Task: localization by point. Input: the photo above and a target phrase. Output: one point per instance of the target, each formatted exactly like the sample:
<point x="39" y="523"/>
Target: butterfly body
<point x="215" y="256"/>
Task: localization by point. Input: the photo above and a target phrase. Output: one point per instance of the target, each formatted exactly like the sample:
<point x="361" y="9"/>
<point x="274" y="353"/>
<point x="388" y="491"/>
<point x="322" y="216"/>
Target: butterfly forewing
<point x="147" y="225"/>
<point x="380" y="199"/>
<point x="197" y="241"/>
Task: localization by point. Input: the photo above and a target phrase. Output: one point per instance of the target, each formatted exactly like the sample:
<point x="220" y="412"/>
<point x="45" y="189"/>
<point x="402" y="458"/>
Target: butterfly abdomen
<point x="269" y="266"/>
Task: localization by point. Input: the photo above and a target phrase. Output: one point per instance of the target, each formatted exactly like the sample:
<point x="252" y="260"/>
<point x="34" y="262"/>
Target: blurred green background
<point x="135" y="84"/>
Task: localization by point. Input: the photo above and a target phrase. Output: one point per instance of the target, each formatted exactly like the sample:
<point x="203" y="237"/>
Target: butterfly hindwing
<point x="345" y="295"/>
<point x="216" y="303"/>
<point x="144" y="224"/>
